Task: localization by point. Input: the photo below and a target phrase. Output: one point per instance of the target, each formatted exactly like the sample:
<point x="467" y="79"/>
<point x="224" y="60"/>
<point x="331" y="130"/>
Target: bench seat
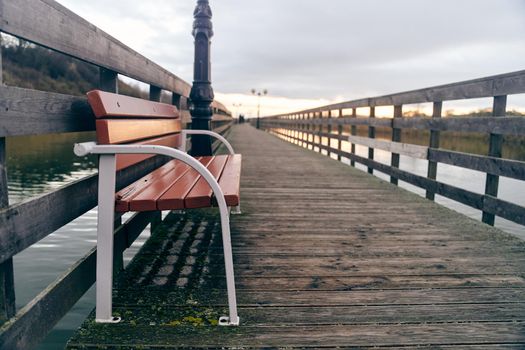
<point x="176" y="186"/>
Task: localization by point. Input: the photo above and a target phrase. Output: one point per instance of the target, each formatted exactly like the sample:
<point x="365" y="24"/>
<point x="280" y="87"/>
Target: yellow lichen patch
<point x="195" y="321"/>
<point x="173" y="323"/>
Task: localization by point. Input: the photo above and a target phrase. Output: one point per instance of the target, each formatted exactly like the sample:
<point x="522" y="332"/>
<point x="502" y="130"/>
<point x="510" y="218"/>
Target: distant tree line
<point x="30" y="66"/>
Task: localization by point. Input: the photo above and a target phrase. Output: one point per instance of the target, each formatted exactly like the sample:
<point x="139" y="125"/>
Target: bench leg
<point x="233" y="319"/>
<point x="106" y="214"/>
<point x="236" y="210"/>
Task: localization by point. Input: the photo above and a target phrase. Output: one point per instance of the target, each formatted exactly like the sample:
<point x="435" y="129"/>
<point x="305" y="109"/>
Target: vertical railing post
<point x="297" y="128"/>
<point x="329" y="131"/>
<point x="396" y="137"/>
<point x="310" y="131"/>
<point x="320" y="131"/>
<point x="305" y="130"/>
<point x="371" y="135"/>
<point x="201" y="94"/>
<point x="292" y="128"/>
<point x="108" y="81"/>
<point x="289" y="131"/>
<point x="340" y="134"/>
<point x="353" y="131"/>
<point x="437" y="112"/>
<point x="300" y="129"/>
<point x="496" y="144"/>
<point x="176" y="100"/>
<point x="7" y="282"/>
<point x="154" y="93"/>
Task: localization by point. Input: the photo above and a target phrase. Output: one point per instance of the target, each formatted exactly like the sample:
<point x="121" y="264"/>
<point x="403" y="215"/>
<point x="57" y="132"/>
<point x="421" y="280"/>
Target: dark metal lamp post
<point x="201" y="95"/>
<point x="259" y="94"/>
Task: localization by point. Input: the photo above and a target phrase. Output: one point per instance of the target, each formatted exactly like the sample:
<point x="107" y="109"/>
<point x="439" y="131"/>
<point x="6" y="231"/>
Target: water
<point x="38" y="164"/>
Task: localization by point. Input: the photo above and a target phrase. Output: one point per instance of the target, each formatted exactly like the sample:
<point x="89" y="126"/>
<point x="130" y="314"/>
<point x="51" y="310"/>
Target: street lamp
<point x="201" y="94"/>
<point x="259" y="94"/>
<point x="236" y="107"/>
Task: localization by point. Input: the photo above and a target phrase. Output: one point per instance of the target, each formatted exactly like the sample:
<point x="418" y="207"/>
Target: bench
<point x="130" y="130"/>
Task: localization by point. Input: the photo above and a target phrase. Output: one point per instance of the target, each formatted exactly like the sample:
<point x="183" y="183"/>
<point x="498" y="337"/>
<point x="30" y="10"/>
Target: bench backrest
<point x="123" y="120"/>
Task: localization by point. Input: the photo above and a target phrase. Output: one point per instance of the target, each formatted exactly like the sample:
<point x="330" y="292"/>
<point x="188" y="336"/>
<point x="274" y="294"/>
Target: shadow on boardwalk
<point x="325" y="256"/>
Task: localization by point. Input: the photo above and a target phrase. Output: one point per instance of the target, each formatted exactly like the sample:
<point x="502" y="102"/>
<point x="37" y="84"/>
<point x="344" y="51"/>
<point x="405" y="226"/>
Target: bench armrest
<point x="205" y="132"/>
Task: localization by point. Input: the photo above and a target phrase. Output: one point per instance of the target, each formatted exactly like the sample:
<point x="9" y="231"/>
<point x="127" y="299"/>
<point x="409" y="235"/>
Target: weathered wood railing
<point x="32" y="112"/>
<point x="310" y="128"/>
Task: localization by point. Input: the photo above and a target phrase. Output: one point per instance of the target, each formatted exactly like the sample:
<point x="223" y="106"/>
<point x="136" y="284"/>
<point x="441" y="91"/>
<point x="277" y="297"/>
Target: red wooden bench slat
<point x="112" y="131"/>
<point x="126" y="160"/>
<point x="106" y="104"/>
<point x="122" y="197"/>
<point x="146" y="200"/>
<point x="173" y="198"/>
<point x="200" y="195"/>
<point x="230" y="180"/>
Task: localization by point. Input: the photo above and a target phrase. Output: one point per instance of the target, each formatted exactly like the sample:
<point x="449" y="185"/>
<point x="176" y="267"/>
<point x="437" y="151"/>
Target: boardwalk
<point x="326" y="256"/>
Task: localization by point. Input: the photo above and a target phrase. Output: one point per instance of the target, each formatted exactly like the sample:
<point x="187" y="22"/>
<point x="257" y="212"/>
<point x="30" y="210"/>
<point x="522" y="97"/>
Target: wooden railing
<point x="310" y="128"/>
<point x="31" y="112"/>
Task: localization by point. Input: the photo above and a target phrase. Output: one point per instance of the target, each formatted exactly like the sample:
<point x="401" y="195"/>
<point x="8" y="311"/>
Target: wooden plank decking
<point x="326" y="256"/>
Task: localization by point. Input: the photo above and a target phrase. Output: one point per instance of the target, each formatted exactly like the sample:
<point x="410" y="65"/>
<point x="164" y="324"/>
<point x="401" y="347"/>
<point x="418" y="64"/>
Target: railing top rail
<point x="497" y="85"/>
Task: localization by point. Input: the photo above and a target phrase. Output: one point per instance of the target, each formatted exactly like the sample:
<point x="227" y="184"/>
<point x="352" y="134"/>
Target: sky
<point x="308" y="53"/>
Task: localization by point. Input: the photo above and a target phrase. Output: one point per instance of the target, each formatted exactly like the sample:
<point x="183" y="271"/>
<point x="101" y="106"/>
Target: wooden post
<point x="371" y="135"/>
<point x="120" y="247"/>
<point x="300" y="126"/>
<point x="303" y="128"/>
<point x="340" y="134"/>
<point x="154" y="93"/>
<point x="320" y="130"/>
<point x="353" y="131"/>
<point x="156" y="220"/>
<point x="108" y="80"/>
<point x="437" y="111"/>
<point x="294" y="128"/>
<point x="289" y="127"/>
<point x="7" y="283"/>
<point x="495" y="146"/>
<point x="310" y="130"/>
<point x="298" y="122"/>
<point x="396" y="137"/>
<point x="176" y="100"/>
<point x="329" y="132"/>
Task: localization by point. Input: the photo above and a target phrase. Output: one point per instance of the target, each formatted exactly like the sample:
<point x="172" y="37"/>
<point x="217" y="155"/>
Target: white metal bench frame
<point x="106" y="213"/>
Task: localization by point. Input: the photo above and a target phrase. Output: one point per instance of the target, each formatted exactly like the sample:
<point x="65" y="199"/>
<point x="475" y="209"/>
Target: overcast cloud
<point x="329" y="50"/>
